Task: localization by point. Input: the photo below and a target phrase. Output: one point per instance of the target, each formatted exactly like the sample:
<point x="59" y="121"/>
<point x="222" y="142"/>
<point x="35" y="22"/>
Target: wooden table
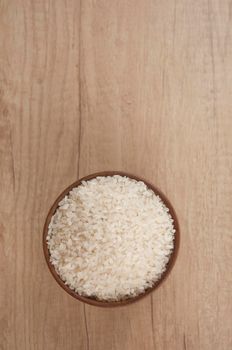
<point x="139" y="86"/>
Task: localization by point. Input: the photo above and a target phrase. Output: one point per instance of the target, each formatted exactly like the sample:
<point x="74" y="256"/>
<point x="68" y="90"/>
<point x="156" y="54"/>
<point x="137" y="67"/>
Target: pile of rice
<point x="110" y="238"/>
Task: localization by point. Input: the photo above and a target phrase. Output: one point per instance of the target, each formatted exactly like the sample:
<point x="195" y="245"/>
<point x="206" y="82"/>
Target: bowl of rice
<point x="110" y="238"/>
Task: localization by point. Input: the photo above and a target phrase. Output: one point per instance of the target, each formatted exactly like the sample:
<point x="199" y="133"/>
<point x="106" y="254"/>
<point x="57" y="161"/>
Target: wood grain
<point x="139" y="86"/>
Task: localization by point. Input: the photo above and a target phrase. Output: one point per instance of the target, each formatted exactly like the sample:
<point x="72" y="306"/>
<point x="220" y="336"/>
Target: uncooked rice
<point x="110" y="238"/>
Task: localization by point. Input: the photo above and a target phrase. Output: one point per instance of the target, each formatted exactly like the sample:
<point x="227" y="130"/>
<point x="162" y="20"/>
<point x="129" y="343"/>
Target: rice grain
<point x="110" y="238"/>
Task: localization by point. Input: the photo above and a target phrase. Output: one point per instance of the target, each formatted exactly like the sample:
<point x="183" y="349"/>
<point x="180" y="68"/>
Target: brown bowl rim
<point x="170" y="263"/>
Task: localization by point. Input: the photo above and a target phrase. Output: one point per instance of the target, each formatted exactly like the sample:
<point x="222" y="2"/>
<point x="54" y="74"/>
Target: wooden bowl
<point x="93" y="301"/>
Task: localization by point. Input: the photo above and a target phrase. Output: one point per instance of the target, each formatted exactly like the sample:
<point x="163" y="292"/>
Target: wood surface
<point x="143" y="86"/>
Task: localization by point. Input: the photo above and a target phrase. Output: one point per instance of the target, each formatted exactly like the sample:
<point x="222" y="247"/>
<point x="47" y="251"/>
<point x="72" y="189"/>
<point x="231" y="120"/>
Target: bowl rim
<point x="169" y="266"/>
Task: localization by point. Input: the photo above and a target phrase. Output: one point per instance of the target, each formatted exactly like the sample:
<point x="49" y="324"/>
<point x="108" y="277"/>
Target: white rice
<point x="110" y="238"/>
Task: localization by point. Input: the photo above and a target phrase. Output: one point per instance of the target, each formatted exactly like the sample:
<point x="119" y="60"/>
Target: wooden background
<point x="143" y="86"/>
